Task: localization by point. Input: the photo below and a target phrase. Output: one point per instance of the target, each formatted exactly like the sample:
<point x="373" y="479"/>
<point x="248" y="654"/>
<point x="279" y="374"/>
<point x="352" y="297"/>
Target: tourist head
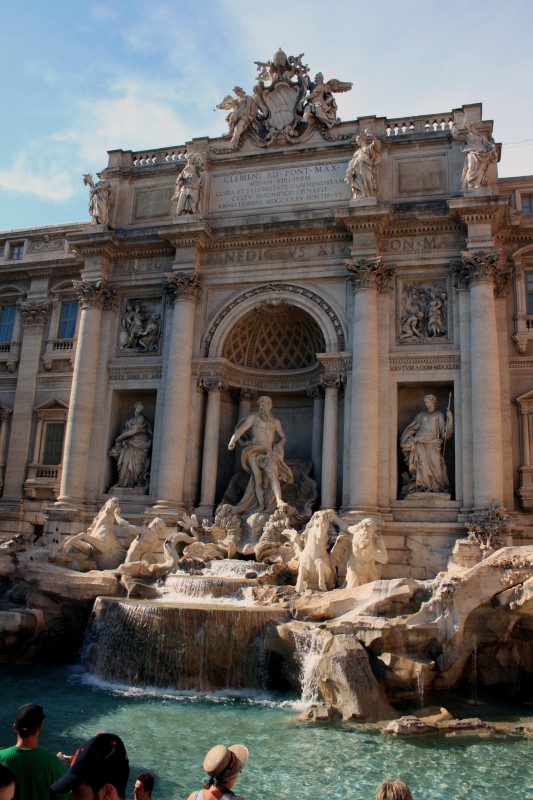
<point x="430" y="401"/>
<point x="28" y="719"/>
<point x="99" y="769"/>
<point x="393" y="790"/>
<point x="144" y="786"/>
<point x="7" y="782"/>
<point x="224" y="764"/>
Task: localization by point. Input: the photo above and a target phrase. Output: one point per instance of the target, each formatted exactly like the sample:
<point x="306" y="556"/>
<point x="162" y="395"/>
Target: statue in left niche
<point x="132" y="451"/>
<point x="187" y="194"/>
<point x="99" y="200"/>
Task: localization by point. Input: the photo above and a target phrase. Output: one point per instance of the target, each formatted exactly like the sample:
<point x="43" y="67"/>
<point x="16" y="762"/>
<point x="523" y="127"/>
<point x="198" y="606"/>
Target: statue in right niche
<point x="423" y="442"/>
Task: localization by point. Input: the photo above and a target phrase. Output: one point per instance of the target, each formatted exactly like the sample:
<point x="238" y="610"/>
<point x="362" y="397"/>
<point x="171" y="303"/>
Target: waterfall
<point x="309" y="646"/>
<point x="207" y="588"/>
<point x="191" y="647"/>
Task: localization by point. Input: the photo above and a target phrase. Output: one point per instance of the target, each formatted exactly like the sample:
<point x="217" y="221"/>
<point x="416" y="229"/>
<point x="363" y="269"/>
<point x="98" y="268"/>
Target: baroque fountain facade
<point x="303" y="349"/>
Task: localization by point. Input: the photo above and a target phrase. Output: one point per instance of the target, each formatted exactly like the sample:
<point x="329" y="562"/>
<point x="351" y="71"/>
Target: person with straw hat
<point x="223" y="766"/>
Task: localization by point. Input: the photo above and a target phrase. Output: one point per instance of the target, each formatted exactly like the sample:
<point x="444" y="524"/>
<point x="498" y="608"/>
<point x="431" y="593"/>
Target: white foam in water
<point x="233" y="568"/>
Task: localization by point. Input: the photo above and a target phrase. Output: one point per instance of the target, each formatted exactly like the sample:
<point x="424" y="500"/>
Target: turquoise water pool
<point x="169" y="733"/>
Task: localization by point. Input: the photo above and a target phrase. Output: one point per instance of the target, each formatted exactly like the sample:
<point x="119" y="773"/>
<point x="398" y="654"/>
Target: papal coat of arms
<point x="285" y="103"/>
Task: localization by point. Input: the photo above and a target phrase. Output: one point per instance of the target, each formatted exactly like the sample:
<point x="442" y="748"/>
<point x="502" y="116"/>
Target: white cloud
<point x="28" y="174"/>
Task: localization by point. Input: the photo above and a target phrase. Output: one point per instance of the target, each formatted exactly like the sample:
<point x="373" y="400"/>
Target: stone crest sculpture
<point x="284" y="103"/>
<point x="361" y="174"/>
<point x="263" y="458"/>
<point x="187" y="194"/>
<point x="422" y="443"/>
<point x="480" y="152"/>
<point x="132" y="451"/>
<point x="99" y="200"/>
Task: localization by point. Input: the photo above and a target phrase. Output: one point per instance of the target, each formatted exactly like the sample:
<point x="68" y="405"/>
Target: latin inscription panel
<point x="276" y="188"/>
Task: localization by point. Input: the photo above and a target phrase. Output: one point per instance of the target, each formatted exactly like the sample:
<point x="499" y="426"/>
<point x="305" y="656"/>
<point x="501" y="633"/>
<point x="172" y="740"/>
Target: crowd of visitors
<point x="99" y="769"/>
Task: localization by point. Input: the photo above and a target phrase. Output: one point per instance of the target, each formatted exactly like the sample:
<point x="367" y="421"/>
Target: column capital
<point x="369" y="274"/>
<point x="330" y="381"/>
<point x="34" y="313"/>
<point x="212" y="385"/>
<point x="481" y="266"/>
<point x="315" y="391"/>
<point x="181" y="286"/>
<point x="95" y="294"/>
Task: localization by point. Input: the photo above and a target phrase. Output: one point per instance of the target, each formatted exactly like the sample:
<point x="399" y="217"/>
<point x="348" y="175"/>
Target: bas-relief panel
<point x="424" y="309"/>
<point x="277" y="188"/>
<point x="420" y="176"/>
<point x="140" y="326"/>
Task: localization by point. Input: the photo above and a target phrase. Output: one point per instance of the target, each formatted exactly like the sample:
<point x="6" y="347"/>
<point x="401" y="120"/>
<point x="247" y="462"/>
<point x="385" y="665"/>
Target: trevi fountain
<point x="271" y="487"/>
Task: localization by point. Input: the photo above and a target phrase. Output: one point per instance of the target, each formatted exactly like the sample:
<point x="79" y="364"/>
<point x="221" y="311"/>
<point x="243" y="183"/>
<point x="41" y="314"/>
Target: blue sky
<point x="81" y="78"/>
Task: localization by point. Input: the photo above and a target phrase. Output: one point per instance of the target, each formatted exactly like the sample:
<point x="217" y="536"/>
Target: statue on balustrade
<point x="363" y="167"/>
<point x="480" y="153"/>
<point x="99" y="200"/>
<point x="132" y="451"/>
<point x="263" y="458"/>
<point x="422" y="443"/>
<point x="189" y="186"/>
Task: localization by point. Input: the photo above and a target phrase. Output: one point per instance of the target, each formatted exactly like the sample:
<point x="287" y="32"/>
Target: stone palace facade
<point x="374" y="278"/>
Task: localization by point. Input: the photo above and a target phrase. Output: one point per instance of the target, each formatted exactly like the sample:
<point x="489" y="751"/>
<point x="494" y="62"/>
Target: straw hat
<point x="219" y="759"/>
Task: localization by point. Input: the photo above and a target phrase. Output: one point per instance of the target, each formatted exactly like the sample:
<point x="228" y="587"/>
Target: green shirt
<point x="35" y="770"/>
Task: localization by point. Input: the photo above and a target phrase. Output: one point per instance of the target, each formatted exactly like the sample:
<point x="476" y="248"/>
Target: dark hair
<point x="7" y="776"/>
<point x="147" y="780"/>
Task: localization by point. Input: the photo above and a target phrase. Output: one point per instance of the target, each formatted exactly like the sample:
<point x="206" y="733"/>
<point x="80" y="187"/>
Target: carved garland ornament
<point x="95" y="294"/>
<point x="370" y="274"/>
<point x="181" y="286"/>
<point x="278" y="288"/>
<point x="34" y="313"/>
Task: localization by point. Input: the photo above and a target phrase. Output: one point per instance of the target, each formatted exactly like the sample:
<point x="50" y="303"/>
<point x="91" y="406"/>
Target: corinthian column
<point x="182" y="292"/>
<point x="94" y="297"/>
<point x="331" y="384"/>
<point x="368" y="277"/>
<point x="479" y="272"/>
<point x="210" y="452"/>
<point x="34" y="315"/>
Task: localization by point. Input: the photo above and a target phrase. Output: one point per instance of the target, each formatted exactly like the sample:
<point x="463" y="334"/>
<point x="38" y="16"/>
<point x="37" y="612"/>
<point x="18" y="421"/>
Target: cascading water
<point x="309" y="646"/>
<point x="192" y="647"/>
<point x="207" y="588"/>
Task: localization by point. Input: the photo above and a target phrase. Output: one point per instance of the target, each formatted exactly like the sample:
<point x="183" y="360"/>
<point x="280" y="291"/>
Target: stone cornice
<point x="277" y="238"/>
<point x="432" y="361"/>
<point x="94" y="243"/>
<point x="135" y="371"/>
<point x="181" y="286"/>
<point x="369" y="274"/>
<point x="187" y="232"/>
<point x="220" y="370"/>
<point x="486" y="209"/>
<point x="365" y="219"/>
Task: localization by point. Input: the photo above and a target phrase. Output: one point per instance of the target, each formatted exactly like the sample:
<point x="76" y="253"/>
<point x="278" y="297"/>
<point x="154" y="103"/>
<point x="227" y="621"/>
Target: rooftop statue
<point x="480" y="153"/>
<point x="262" y="458"/>
<point x="187" y="193"/>
<point x="320" y="103"/>
<point x="362" y="169"/>
<point x="284" y="102"/>
<point x="99" y="200"/>
<point x="422" y="444"/>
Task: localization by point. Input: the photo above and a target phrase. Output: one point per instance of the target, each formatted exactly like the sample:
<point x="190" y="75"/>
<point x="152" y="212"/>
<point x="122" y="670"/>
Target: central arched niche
<point x="277" y="343"/>
<point x="274" y="336"/>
